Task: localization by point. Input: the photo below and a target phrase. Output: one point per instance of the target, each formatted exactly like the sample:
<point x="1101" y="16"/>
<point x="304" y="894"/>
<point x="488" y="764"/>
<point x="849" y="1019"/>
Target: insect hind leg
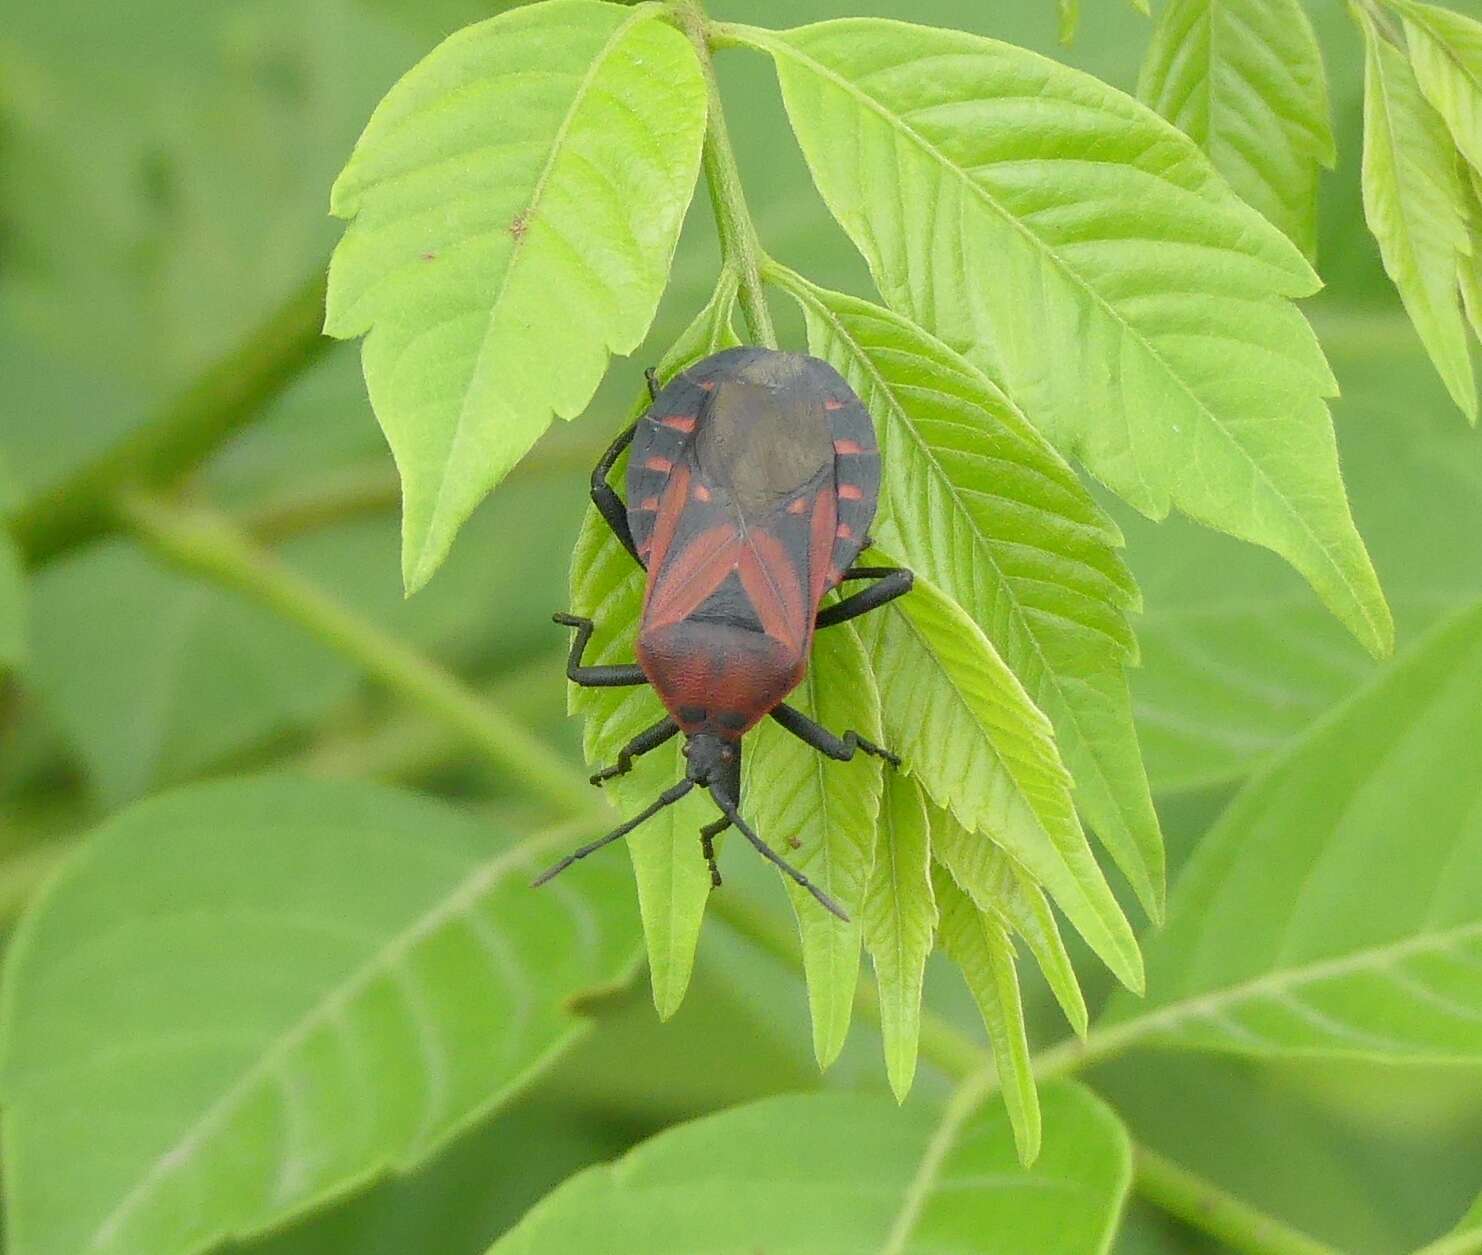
<point x="616" y="675"/>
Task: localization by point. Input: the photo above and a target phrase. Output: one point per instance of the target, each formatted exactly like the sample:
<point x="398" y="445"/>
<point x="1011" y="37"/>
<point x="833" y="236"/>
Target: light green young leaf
<point x="515" y="202"/>
<point x="1336" y="908"/>
<point x="607" y="586"/>
<point x="12" y="606"/>
<point x="1066" y="238"/>
<point x="792" y="793"/>
<point x="996" y="883"/>
<point x="848" y="1172"/>
<point x="979" y="503"/>
<point x="900" y="923"/>
<point x="242" y="999"/>
<point x="969" y="733"/>
<point x="1244" y="80"/>
<point x="976" y="941"/>
<point x="1413" y="204"/>
<point x="1445" y="50"/>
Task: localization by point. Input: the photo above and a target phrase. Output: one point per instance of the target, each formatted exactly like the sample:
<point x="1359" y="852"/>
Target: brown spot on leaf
<point x="519" y="225"/>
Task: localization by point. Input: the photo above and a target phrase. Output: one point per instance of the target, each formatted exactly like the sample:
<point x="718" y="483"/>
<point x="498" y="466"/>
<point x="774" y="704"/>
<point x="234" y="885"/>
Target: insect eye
<point x="686" y="750"/>
<point x="727" y="754"/>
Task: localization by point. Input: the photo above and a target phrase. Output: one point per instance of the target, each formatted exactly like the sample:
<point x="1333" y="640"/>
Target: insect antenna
<point x="667" y="798"/>
<point x="728" y="809"/>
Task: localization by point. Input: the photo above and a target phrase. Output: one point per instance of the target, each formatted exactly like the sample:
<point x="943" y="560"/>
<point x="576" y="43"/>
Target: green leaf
<point x="1445" y="50"/>
<point x="1238" y="655"/>
<point x="1244" y="80"/>
<point x="1413" y="204"/>
<point x="607" y="586"/>
<point x="969" y="733"/>
<point x="900" y="922"/>
<point x="515" y="202"/>
<point x="976" y="941"/>
<point x="244" y="998"/>
<point x="1031" y="557"/>
<point x="1065" y="238"/>
<point x="997" y="884"/>
<point x="1336" y="908"/>
<point x="12" y="606"/>
<point x="848" y="1172"/>
<point x="821" y="815"/>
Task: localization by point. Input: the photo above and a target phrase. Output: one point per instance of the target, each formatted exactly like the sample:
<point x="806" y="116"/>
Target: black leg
<point x="605" y="497"/>
<point x="620" y="675"/>
<point x="648" y="739"/>
<point x="890" y="583"/>
<point x="728" y="809"/>
<point x="825" y="742"/>
<point x="651" y="377"/>
<point x="667" y="798"/>
<point x="707" y="847"/>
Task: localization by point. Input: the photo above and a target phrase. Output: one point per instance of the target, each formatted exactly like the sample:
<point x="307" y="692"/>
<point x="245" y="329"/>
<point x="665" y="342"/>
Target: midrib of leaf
<point x="982" y="542"/>
<point x="640" y="14"/>
<point x="458" y="901"/>
<point x="956" y="1113"/>
<point x="1373" y="958"/>
<point x="764" y="39"/>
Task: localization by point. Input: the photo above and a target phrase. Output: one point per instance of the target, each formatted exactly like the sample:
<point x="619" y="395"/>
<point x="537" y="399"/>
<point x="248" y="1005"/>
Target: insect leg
<point x="605" y="497"/>
<point x="667" y="798"/>
<point x="648" y="739"/>
<point x="651" y="377"/>
<point x="728" y="808"/>
<point x="825" y="742"/>
<point x="707" y="846"/>
<point x="614" y="676"/>
<point x="890" y="583"/>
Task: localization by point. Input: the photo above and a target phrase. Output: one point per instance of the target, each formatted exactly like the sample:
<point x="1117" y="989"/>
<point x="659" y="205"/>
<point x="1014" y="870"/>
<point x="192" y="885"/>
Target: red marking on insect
<point x="734" y="595"/>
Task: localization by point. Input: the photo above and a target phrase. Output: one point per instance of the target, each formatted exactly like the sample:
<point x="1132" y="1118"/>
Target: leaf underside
<point x="1082" y="251"/>
<point x="475" y="195"/>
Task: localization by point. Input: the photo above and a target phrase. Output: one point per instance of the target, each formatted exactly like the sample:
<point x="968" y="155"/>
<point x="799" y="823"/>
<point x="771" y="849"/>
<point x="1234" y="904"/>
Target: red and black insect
<point x="752" y="484"/>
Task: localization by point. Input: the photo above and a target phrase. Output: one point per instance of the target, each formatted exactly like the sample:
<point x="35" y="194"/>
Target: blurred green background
<point x="164" y="176"/>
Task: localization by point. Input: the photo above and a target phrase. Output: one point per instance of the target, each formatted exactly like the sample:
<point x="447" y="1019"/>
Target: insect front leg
<point x="605" y="497"/>
<point x="648" y="739"/>
<point x="619" y="675"/>
<point x="820" y="738"/>
<point x="707" y="847"/>
<point x="890" y="583"/>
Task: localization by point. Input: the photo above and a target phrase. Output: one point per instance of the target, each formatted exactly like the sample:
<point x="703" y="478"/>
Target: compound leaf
<point x="976" y="500"/>
<point x="821" y="816"/>
<point x="977" y="942"/>
<point x="1336" y="908"/>
<point x="900" y="922"/>
<point x="967" y="730"/>
<point x="1413" y="202"/>
<point x="1067" y="239"/>
<point x="515" y="202"/>
<point x="607" y="586"/>
<point x="848" y="1172"/>
<point x="241" y="999"/>
<point x="1244" y="80"/>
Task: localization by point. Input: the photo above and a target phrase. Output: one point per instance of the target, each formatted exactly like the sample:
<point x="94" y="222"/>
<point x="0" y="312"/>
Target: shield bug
<point x="752" y="483"/>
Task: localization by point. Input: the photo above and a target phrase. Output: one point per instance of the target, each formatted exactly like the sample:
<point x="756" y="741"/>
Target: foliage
<point x="311" y="1017"/>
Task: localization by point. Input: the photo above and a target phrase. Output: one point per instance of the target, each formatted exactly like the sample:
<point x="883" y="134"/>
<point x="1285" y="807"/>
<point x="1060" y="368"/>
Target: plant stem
<point x="222" y="399"/>
<point x="207" y="544"/>
<point x="1208" y="1208"/>
<point x="740" y="249"/>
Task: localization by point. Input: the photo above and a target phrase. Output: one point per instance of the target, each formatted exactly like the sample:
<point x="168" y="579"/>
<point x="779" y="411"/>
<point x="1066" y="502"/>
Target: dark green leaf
<point x="241" y="999"/>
